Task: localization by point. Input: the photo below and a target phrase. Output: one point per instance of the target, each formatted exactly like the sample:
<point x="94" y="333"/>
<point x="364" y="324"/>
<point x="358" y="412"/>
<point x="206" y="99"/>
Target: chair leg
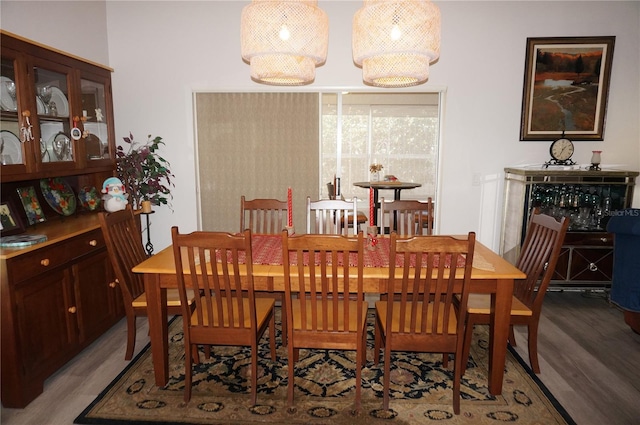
<point x="466" y="347"/>
<point x="386" y="378"/>
<point x="254" y="373"/>
<point x="457" y="369"/>
<point x="187" y="371"/>
<point x="290" y="384"/>
<point x="364" y="347"/>
<point x="512" y="336"/>
<point x="272" y="336"/>
<point x="532" y="329"/>
<point x="359" y="378"/>
<point x="195" y="357"/>
<point x="377" y="345"/>
<point x="283" y="320"/>
<point x="131" y="336"/>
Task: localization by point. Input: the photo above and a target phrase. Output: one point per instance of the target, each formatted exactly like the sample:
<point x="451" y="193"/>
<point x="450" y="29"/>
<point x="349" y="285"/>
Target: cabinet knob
<point x="593" y="267"/>
<point x="73" y="310"/>
<point x="604" y="240"/>
<point x="44" y="262"/>
<point x="112" y="284"/>
<point x="93" y="242"/>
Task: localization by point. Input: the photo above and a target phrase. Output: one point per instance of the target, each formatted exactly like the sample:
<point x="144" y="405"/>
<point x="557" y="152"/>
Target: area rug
<point x="420" y="390"/>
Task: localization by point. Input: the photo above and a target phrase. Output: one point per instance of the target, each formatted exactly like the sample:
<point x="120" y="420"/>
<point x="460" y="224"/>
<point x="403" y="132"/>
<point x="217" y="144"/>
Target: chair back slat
<point x="264" y="216"/>
<point x="407" y="217"/>
<point x="211" y="260"/>
<point x="538" y="257"/>
<point x="423" y="289"/>
<point x="331" y="216"/>
<point x="123" y="239"/>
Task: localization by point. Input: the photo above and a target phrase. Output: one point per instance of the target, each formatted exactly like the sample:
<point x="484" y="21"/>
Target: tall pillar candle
<point x="289" y="208"/>
<point x="372" y="218"/>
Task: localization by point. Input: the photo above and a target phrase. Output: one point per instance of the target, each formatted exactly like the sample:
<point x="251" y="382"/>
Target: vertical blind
<point x="256" y="145"/>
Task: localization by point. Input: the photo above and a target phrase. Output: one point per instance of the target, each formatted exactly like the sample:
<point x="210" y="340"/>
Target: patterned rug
<point x="420" y="390"/>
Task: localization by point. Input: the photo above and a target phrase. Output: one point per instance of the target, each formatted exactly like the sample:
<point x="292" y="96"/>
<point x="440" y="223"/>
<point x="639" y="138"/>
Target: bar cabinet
<point x="588" y="198"/>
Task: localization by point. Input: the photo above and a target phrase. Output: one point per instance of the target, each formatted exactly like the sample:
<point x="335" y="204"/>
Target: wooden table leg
<point x="158" y="328"/>
<point x="499" y="333"/>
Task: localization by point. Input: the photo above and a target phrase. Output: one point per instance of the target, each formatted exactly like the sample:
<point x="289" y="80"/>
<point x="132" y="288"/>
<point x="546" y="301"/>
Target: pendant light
<point x="395" y="41"/>
<point x="284" y="41"/>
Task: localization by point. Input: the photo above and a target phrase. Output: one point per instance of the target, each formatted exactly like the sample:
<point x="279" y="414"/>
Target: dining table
<point x="396" y="186"/>
<point x="490" y="274"/>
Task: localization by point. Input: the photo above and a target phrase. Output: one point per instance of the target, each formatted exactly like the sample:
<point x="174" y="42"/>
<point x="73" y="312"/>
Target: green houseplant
<point x="144" y="173"/>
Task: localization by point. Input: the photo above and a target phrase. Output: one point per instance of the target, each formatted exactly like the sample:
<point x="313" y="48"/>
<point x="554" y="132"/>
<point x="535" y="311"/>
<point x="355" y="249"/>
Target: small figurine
<point x="114" y="198"/>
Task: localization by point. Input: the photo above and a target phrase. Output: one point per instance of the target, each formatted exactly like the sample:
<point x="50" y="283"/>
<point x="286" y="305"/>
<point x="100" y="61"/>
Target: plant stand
<point x="148" y="246"/>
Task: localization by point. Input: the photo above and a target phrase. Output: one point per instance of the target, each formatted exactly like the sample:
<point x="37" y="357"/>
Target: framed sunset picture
<point x="566" y="86"/>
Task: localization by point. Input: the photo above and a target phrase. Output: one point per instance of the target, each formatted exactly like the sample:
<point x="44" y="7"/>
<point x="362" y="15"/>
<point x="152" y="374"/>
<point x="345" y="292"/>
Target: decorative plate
<point x="89" y="198"/>
<point x="10" y="148"/>
<point x="60" y="100"/>
<point x="7" y="102"/>
<point x="61" y="146"/>
<point x="40" y="107"/>
<point x="31" y="205"/>
<point x="19" y="241"/>
<point x="94" y="146"/>
<point x="58" y="195"/>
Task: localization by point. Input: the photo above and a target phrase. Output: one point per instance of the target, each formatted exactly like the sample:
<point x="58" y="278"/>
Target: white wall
<point x="163" y="51"/>
<point x="78" y="26"/>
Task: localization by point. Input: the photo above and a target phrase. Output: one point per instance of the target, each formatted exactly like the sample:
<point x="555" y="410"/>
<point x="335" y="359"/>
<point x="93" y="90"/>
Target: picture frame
<point x="10" y="221"/>
<point x="31" y="205"/>
<point x="566" y="88"/>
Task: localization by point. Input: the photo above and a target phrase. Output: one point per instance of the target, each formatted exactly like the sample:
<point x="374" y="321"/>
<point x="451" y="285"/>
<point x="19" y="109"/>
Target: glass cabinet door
<point x="13" y="154"/>
<point x="54" y="116"/>
<point x="95" y="119"/>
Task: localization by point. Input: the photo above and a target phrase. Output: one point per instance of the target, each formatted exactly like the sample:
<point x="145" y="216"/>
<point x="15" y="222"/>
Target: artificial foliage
<point x="144" y="173"/>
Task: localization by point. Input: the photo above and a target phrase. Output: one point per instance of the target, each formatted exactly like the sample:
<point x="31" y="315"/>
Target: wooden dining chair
<point x="360" y="216"/>
<point x="327" y="216"/>
<point x="323" y="278"/>
<point x="268" y="217"/>
<point x="264" y="216"/>
<point x="123" y="238"/>
<point x="427" y="272"/>
<point x="407" y="217"/>
<point x="227" y="312"/>
<point x="538" y="259"/>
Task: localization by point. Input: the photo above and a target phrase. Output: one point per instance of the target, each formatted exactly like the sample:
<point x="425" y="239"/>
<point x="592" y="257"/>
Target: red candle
<point x="289" y="208"/>
<point x="372" y="218"/>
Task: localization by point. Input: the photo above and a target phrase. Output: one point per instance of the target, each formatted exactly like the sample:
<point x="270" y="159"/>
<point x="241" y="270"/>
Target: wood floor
<point x="589" y="359"/>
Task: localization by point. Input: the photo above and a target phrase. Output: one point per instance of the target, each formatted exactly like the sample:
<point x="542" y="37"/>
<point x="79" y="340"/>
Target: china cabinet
<point x="59" y="295"/>
<point x="588" y="198"/>
<point x="56" y="113"/>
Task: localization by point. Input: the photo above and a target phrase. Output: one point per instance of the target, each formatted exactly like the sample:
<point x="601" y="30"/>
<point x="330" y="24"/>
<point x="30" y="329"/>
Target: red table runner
<point x="267" y="250"/>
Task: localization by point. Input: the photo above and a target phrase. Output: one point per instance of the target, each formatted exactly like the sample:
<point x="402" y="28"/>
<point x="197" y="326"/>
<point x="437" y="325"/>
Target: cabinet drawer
<point x="603" y="239"/>
<point x="42" y="260"/>
<point x="592" y="264"/>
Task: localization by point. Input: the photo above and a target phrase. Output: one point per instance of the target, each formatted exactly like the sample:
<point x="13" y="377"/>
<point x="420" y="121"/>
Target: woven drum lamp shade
<point x="395" y="41"/>
<point x="284" y="41"/>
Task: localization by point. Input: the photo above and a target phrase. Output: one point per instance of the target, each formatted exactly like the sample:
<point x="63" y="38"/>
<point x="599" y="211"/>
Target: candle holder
<point x="595" y="161"/>
<point x="372" y="237"/>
